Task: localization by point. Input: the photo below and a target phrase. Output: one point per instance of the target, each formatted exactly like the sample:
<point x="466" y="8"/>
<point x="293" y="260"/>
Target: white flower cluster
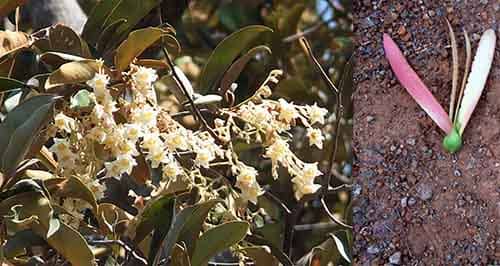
<point x="272" y="119"/>
<point x="119" y="132"/>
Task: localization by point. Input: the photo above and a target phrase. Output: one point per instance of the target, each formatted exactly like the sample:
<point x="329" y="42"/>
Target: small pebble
<point x="424" y="192"/>
<point x="370" y="119"/>
<point x="411" y="201"/>
<point x="395" y="258"/>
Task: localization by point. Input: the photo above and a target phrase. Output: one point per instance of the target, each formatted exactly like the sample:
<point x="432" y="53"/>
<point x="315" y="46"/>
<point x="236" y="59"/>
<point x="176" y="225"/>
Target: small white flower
<point x="144" y="77"/>
<point x="171" y="170"/>
<point x="97" y="134"/>
<point x="251" y="193"/>
<point x="132" y="132"/>
<point x="287" y="111"/>
<point x="203" y="158"/>
<point x="64" y="123"/>
<point x="61" y="147"/>
<point x="157" y="156"/>
<point x="315" y="137"/>
<point x="99" y="81"/>
<point x="309" y="172"/>
<point x="278" y="151"/>
<point x="122" y="164"/>
<point x="151" y="142"/>
<point x="316" y="114"/>
<point x="145" y="116"/>
<point x="305" y="189"/>
<point x="177" y="140"/>
<point x="247" y="177"/>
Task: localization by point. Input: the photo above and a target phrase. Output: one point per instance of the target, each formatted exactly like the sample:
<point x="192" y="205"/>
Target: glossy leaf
<point x="226" y="52"/>
<point x="71" y="73"/>
<point x="106" y="13"/>
<point x="72" y="246"/>
<point x="33" y="203"/>
<point x="11" y="41"/>
<point x="341" y="248"/>
<point x="157" y="215"/>
<point x="414" y="85"/>
<point x="186" y="228"/>
<point x="136" y="43"/>
<point x="21" y="128"/>
<point x="71" y="187"/>
<point x="260" y="256"/>
<point x="218" y="239"/>
<point x="64" y="39"/>
<point x="237" y="67"/>
<point x="19" y="242"/>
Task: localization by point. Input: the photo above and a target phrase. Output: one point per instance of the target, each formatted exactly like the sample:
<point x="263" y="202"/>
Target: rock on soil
<point x="419" y="205"/>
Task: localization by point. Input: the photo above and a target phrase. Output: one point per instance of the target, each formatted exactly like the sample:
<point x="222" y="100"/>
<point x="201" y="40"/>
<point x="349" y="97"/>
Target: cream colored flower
<point x="64" y="123"/>
<point x="61" y="147"/>
<point x="247" y="177"/>
<point x="97" y="134"/>
<point x="144" y="77"/>
<point x="287" y="111"/>
<point x="316" y="114"/>
<point x="145" y="116"/>
<point x="203" y="158"/>
<point x="315" y="137"/>
<point x="171" y="170"/>
<point x="122" y="164"/>
<point x="309" y="172"/>
<point x="177" y="140"/>
<point x="278" y="151"/>
<point x="305" y="189"/>
<point x="157" y="156"/>
<point x="99" y="81"/>
<point x="132" y="132"/>
<point x="151" y="141"/>
<point x="251" y="193"/>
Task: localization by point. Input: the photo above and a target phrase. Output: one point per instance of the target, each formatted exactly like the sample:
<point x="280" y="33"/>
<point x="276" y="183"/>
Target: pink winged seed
<point x="414" y="85"/>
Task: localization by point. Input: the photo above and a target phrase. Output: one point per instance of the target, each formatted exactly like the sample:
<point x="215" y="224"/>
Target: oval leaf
<point x="237" y="67"/>
<point x="218" y="239"/>
<point x="71" y="73"/>
<point x="226" y="52"/>
<point x="72" y="246"/>
<point x="11" y="41"/>
<point x="186" y="227"/>
<point x="135" y="44"/>
<point x="20" y="128"/>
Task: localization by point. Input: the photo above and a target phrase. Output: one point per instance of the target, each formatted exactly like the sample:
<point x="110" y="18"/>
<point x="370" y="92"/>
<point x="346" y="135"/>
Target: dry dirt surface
<point x="414" y="203"/>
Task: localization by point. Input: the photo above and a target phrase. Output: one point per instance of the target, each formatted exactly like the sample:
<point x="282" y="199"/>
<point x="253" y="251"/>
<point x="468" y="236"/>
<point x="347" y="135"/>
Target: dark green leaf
<point x="186" y="227"/>
<point x="237" y="67"/>
<point x="108" y="12"/>
<point x="64" y="39"/>
<point x="21" y="127"/>
<point x="135" y="44"/>
<point x="180" y="256"/>
<point x="341" y="246"/>
<point x="226" y="52"/>
<point x="157" y="215"/>
<point x="218" y="239"/>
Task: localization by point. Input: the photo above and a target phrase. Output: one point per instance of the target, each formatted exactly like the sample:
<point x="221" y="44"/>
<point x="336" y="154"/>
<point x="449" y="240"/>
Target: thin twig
<point x="332" y="217"/>
<point x="189" y="97"/>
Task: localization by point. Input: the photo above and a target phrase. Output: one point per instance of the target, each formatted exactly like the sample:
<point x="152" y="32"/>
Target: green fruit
<point x="453" y="141"/>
